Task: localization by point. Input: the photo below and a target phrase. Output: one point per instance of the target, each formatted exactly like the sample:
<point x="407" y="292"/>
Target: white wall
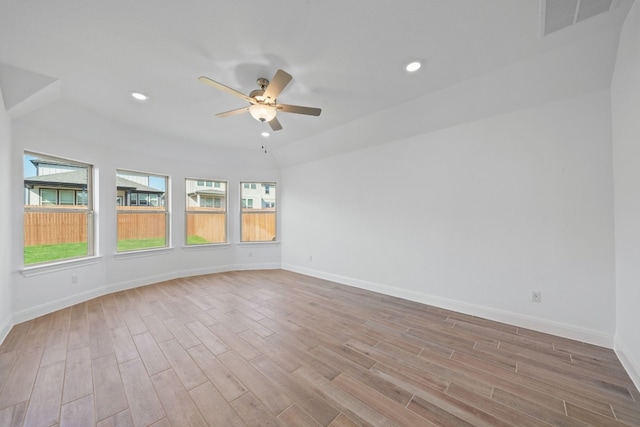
<point x="472" y="218"/>
<point x="5" y="223"/>
<point x="625" y="95"/>
<point x="45" y="290"/>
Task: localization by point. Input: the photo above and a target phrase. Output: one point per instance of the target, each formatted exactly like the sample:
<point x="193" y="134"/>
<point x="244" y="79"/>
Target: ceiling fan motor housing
<point x="257" y="94"/>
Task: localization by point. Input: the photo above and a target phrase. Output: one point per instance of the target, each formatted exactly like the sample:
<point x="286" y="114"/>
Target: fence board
<point x="258" y="227"/>
<point x="147" y="225"/>
<point x="48" y="228"/>
<point x="210" y="227"/>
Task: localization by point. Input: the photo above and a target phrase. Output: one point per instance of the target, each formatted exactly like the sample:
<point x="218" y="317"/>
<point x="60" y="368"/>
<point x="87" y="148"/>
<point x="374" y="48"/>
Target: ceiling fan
<point x="264" y="106"/>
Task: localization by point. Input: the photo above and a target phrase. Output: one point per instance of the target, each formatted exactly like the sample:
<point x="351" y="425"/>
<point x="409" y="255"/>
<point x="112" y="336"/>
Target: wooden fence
<point x="210" y="227"/>
<point x="258" y="227"/>
<point x="143" y="225"/>
<point x="49" y="228"/>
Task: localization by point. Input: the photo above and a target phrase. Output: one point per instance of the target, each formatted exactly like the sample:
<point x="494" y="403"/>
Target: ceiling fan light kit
<point x="262" y="112"/>
<point x="264" y="106"/>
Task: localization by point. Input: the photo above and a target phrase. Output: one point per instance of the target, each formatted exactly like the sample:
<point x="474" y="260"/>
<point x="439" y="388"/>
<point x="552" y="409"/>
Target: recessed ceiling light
<point x="139" y="96"/>
<point x="413" y="66"/>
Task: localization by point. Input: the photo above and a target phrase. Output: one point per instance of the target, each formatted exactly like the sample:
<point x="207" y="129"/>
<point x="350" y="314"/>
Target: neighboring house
<point x="57" y="183"/>
<point x="206" y="194"/>
<point x="258" y="196"/>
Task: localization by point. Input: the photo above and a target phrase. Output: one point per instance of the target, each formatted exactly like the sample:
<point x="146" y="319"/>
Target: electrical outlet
<point x="250" y="254"/>
<point x="74" y="279"/>
<point x="536" y="296"/>
<point x="310" y="257"/>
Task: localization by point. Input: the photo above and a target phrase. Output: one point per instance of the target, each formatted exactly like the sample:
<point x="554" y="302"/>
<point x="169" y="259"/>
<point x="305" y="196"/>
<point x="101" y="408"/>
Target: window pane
<point x="141" y="230"/>
<point x="143" y="218"/>
<point x="48" y="197"/>
<point x="206" y="216"/>
<point x="258" y="212"/>
<point x="81" y="198"/>
<point x="66" y="197"/>
<point x="57" y="225"/>
<point x="53" y="236"/>
<point x="203" y="228"/>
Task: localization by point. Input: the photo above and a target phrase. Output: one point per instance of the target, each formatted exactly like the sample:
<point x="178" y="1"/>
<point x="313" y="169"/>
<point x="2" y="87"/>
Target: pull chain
<point x="265" y="135"/>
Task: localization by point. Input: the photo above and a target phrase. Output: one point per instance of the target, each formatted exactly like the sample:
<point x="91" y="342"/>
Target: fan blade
<point x="233" y="112"/>
<point x="275" y="124"/>
<point x="213" y="83"/>
<point x="277" y="84"/>
<point x="310" y="111"/>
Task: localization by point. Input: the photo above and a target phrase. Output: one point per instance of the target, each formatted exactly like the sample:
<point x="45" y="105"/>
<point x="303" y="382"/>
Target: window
<point x="67" y="197"/>
<point x="258" y="212"/>
<point x="58" y="209"/>
<point x="143" y="217"/>
<point x="48" y="196"/>
<point x="206" y="211"/>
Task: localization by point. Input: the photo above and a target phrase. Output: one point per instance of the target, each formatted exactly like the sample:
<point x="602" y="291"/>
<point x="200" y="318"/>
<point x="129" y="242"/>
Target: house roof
<point x="209" y="192"/>
<point x="82" y="60"/>
<point x="78" y="178"/>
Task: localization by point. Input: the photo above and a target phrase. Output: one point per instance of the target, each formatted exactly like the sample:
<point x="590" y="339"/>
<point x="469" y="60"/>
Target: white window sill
<point x="142" y="253"/>
<point x="207" y="246"/>
<point x="51" y="267"/>
<point x="266" y="242"/>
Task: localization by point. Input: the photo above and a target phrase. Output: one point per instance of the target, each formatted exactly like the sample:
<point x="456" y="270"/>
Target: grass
<point x="44" y="253"/>
<point x="196" y="240"/>
<point x="135" y="244"/>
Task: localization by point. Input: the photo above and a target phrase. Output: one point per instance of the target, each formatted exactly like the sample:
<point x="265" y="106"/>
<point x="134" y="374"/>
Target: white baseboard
<point x="516" y="319"/>
<point x="5" y="327"/>
<point x="632" y="369"/>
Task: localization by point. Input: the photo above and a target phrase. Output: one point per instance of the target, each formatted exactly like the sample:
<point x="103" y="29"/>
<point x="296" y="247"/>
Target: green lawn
<point x="43" y="253"/>
<point x="135" y="244"/>
<point x="196" y="240"/>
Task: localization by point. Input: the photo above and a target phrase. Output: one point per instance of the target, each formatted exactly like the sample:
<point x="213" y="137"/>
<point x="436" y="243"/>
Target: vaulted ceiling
<point x="346" y="57"/>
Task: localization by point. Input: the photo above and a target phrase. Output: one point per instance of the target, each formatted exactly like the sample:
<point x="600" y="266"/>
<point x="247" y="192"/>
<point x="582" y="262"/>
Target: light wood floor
<point x="278" y="348"/>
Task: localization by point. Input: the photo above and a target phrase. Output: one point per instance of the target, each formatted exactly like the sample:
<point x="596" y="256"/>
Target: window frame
<point x="246" y="205"/>
<point x="132" y="209"/>
<point x="87" y="209"/>
<point x="200" y="210"/>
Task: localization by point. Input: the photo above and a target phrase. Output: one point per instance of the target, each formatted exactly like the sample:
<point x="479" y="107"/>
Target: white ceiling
<point x="346" y="57"/>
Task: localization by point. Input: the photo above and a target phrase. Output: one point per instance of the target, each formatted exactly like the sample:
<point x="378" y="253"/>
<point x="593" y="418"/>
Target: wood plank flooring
<point x="275" y="348"/>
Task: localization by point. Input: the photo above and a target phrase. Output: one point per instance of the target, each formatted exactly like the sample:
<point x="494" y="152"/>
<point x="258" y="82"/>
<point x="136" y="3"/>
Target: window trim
<point x="88" y="209"/>
<point x="166" y="210"/>
<point x="207" y="183"/>
<point x="253" y="186"/>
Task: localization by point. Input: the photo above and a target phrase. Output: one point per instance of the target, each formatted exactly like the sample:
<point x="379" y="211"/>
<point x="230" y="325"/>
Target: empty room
<point x="320" y="213"/>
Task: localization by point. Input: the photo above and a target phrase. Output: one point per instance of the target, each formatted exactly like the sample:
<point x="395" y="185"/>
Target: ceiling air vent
<point x="559" y="14"/>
